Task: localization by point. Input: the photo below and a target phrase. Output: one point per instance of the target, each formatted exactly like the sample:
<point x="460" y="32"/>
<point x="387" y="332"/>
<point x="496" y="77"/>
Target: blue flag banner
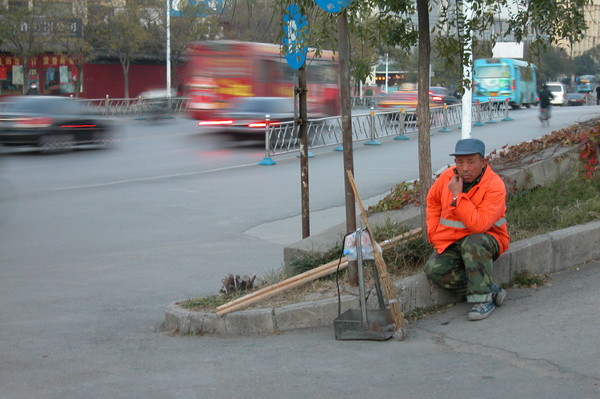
<point x="295" y="27"/>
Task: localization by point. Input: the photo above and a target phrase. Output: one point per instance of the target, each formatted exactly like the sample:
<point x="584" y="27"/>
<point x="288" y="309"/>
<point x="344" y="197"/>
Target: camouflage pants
<point x="465" y="267"/>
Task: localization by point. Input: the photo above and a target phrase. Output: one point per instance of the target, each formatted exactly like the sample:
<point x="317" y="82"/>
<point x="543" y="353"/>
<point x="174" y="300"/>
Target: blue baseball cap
<point x="469" y="147"/>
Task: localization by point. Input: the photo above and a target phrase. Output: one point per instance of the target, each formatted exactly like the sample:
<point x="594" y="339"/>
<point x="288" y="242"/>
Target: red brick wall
<point x="102" y="79"/>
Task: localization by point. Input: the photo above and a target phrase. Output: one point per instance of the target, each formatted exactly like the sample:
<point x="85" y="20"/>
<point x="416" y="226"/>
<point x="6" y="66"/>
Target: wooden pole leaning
<point x="303" y="278"/>
<point x="388" y="286"/>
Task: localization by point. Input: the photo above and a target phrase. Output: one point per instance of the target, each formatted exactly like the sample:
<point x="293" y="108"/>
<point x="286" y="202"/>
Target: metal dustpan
<point x="379" y="325"/>
<point x="372" y="324"/>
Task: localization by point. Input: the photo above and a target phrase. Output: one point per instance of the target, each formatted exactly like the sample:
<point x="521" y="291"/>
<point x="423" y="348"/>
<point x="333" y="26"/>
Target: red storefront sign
<point x="38" y="61"/>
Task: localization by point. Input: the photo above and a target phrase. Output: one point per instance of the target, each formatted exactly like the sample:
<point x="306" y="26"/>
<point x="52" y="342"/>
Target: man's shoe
<point x="481" y="311"/>
<point x="498" y="295"/>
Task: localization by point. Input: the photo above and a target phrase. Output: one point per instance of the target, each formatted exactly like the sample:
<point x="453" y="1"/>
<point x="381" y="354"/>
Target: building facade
<point x="51" y="71"/>
<point x="591" y="38"/>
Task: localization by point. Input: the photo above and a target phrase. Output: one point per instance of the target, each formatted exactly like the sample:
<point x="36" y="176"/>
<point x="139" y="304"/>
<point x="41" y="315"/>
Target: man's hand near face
<point x="456" y="185"/>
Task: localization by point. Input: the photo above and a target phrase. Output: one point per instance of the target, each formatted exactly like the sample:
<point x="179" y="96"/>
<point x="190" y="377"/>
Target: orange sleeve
<point x="434" y="208"/>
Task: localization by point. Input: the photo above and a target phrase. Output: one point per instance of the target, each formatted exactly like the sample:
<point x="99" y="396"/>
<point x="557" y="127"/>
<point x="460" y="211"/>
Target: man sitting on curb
<point x="466" y="209"/>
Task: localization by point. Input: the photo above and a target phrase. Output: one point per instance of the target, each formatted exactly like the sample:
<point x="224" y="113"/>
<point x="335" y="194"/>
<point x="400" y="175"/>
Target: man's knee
<point x="480" y="245"/>
<point x="429" y="266"/>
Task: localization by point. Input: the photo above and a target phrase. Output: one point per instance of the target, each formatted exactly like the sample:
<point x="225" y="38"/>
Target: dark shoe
<point x="481" y="311"/>
<point x="498" y="295"/>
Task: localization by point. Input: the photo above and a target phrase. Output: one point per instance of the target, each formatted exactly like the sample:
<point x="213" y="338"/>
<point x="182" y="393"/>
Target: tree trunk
<point x="26" y="83"/>
<point x="303" y="110"/>
<point x="344" y="54"/>
<point x="423" y="117"/>
<point x="125" y="64"/>
<point x="79" y="65"/>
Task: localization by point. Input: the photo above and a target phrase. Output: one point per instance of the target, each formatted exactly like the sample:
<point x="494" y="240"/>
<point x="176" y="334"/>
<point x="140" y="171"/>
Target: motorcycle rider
<point x="545" y="96"/>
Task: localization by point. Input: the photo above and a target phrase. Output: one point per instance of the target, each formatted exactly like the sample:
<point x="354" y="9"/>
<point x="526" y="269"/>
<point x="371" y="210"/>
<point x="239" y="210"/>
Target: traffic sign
<point x="295" y="27"/>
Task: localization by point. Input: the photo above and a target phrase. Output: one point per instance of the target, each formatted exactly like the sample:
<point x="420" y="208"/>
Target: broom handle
<point x="388" y="286"/>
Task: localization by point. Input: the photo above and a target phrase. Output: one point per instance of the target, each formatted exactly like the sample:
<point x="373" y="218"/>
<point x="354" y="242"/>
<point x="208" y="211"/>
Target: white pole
<point x="430" y="73"/>
<point x="169" y="51"/>
<point x="467" y="74"/>
<point x="386" y="72"/>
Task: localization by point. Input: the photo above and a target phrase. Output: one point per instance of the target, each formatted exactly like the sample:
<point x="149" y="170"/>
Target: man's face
<point x="469" y="166"/>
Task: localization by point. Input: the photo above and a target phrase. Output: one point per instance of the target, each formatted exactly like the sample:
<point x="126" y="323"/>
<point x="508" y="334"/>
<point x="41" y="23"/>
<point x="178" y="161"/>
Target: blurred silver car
<point x="250" y="116"/>
<point x="51" y="123"/>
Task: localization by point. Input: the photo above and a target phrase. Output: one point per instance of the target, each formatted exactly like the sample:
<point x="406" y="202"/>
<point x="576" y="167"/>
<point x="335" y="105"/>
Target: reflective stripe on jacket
<point x="481" y="210"/>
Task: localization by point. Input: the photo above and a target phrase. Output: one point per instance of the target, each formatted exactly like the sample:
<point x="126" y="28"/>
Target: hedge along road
<point x="98" y="243"/>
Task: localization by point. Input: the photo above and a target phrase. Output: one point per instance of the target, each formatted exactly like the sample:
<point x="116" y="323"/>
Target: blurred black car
<point x="250" y="116"/>
<point x="51" y="123"/>
<point x="575" y="99"/>
<point x="441" y="95"/>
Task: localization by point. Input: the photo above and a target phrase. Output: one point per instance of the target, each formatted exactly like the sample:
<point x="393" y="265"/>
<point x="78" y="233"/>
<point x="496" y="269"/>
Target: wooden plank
<point x="303" y="277"/>
<point x="280" y="287"/>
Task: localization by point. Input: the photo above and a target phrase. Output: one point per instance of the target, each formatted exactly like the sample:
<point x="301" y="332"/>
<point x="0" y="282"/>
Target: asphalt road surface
<point x="94" y="244"/>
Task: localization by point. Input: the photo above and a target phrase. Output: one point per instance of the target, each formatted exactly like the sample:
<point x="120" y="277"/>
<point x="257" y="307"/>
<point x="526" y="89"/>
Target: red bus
<point x="215" y="72"/>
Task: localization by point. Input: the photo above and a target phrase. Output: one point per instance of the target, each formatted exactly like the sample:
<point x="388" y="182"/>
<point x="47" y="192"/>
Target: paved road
<point x="97" y="245"/>
<point x="543" y="343"/>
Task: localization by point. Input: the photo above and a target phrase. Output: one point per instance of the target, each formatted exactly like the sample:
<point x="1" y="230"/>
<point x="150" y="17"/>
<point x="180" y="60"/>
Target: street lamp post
<point x="386" y="72"/>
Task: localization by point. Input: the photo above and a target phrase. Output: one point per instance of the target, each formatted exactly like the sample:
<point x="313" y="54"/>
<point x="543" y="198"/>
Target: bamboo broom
<point x="388" y="286"/>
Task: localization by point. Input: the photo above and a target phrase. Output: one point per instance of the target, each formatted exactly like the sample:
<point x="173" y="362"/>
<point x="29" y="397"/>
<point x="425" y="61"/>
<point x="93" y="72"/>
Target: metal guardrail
<point x="134" y="107"/>
<point x="147" y="107"/>
<point x="369" y="127"/>
<point x="126" y="106"/>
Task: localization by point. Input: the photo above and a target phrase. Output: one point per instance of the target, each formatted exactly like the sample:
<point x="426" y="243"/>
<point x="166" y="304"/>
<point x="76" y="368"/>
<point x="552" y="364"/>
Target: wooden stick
<point x="285" y="285"/>
<point x="388" y="286"/>
<point x="295" y="281"/>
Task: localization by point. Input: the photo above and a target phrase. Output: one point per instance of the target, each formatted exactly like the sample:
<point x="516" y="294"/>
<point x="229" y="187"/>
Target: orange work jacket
<point x="481" y="210"/>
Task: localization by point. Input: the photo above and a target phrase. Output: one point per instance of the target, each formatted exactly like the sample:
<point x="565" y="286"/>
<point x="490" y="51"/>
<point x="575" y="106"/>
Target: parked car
<point x="250" y="116"/>
<point x="51" y="123"/>
<point x="559" y="91"/>
<point x="441" y="95"/>
<point x="575" y="99"/>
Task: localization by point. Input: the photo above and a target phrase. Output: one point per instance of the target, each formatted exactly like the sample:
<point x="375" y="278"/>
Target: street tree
<point x="254" y="21"/>
<point x="22" y="29"/>
<point x="584" y="65"/>
<point x="553" y="63"/>
<point x="124" y="32"/>
<point x="68" y="38"/>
